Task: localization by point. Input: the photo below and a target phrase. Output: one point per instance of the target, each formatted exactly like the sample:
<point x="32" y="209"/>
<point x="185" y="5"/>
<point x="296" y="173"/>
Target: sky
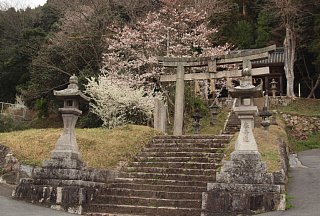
<point x="20" y="4"/>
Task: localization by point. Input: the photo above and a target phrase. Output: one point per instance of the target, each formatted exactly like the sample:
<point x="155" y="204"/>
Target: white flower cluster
<point x="116" y="100"/>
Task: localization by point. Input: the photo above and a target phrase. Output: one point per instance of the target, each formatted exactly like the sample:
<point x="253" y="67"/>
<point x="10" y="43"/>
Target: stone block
<point x="63" y="189"/>
<point x="3" y="152"/>
<point x="66" y="196"/>
<point x="63" y="163"/>
<point x="245" y="169"/>
<point x="244" y="187"/>
<point x="92" y="175"/>
<point x="235" y="199"/>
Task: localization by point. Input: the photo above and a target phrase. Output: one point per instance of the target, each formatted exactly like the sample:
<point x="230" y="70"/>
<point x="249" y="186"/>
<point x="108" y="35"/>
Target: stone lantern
<point x="214" y="112"/>
<point x="244" y="179"/>
<point x="246" y="111"/>
<point x="265" y="114"/>
<point x="64" y="182"/>
<point x="273" y="87"/>
<point x="66" y="153"/>
<point x="196" y="117"/>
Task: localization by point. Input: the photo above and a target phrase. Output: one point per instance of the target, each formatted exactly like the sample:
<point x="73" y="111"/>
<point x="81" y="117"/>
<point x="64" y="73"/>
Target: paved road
<point x="304" y="187"/>
<point x="10" y="207"/>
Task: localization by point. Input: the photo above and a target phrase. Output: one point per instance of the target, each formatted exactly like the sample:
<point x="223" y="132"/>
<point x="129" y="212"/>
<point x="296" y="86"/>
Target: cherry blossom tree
<point x="131" y="57"/>
<point x="169" y="31"/>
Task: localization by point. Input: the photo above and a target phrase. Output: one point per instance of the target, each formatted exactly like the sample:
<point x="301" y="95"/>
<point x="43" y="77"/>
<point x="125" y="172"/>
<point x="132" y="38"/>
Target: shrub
<point x="118" y="100"/>
<point x="8" y="124"/>
<point x="90" y="120"/>
<point x="42" y="106"/>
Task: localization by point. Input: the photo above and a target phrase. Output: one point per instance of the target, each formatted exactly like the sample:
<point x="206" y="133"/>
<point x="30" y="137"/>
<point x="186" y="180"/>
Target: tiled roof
<point x="276" y="57"/>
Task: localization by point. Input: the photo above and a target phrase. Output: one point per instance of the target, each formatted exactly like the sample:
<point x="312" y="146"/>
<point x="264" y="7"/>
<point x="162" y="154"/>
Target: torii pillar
<point x="179" y="102"/>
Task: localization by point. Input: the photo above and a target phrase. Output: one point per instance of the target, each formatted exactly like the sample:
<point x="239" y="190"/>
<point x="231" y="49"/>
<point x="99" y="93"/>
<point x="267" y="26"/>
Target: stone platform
<point x="243" y="187"/>
<point x="63" y="189"/>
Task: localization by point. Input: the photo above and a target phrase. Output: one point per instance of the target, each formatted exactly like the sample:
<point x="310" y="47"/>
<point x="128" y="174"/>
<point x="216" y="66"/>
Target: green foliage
<point x="8" y="124"/>
<point x="42" y="107"/>
<point x="312" y="142"/>
<point x="49" y="17"/>
<point x="264" y="28"/>
<point x="242" y="34"/>
<point x="315" y="45"/>
<point x="2" y="171"/>
<point x="90" y="120"/>
<point x="307" y="107"/>
<point x="136" y="116"/>
<point x="201" y="104"/>
<point x="23" y="33"/>
<point x="289" y="205"/>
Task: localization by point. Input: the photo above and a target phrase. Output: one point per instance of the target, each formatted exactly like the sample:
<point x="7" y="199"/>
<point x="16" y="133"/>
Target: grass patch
<point x="289" y="199"/>
<point x="267" y="142"/>
<point x="301" y="106"/>
<point x="313" y="142"/>
<point x="206" y="127"/>
<point x="100" y="148"/>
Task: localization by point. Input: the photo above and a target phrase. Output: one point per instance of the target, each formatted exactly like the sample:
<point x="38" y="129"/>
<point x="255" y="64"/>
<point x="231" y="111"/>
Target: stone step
<point x="167" y="178"/>
<point x="146" y="201"/>
<point x="188" y="165"/>
<point x="173" y="148"/>
<point x="152" y="187"/>
<point x="207" y="172"/>
<point x="179" y="177"/>
<point x="195" y="141"/>
<point x="102" y="198"/>
<point x="233" y="129"/>
<point x="178" y="154"/>
<point x="141" y="210"/>
<point x="188" y="145"/>
<point x="193" y="136"/>
<point x="200" y="183"/>
<point x="230" y="132"/>
<point x="212" y="159"/>
<point x="111" y="214"/>
<point x="233" y="125"/>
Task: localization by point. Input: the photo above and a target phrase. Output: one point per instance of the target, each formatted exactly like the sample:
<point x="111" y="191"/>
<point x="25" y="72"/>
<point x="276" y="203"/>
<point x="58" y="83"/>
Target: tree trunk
<point x="244" y="9"/>
<point x="314" y="87"/>
<point x="289" y="49"/>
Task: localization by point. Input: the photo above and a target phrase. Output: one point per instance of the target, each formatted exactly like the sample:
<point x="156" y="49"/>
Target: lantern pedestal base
<point x="243" y="187"/>
<point x="64" y="163"/>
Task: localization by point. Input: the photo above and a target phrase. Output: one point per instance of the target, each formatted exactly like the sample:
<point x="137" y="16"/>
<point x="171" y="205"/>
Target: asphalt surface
<point x="304" y="187"/>
<point x="10" y="207"/>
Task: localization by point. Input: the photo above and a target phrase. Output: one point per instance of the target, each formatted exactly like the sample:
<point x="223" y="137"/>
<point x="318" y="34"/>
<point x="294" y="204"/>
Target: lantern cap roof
<point x="72" y="91"/>
<point x="246" y="91"/>
<point x="274" y="81"/>
<point x="265" y="112"/>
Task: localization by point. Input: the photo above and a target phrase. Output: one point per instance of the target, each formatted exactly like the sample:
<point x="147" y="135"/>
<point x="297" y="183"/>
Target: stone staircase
<point x="166" y="178"/>
<point x="233" y="124"/>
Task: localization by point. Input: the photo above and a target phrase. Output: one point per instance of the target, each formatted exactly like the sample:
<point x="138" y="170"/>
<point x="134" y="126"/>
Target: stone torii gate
<point x="181" y="63"/>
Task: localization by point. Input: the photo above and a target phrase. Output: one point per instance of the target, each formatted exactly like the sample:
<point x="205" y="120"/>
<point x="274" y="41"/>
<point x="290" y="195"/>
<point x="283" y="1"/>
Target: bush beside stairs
<point x="166" y="178"/>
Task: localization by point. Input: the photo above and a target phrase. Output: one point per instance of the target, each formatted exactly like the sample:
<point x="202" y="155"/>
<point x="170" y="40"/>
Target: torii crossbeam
<point x="244" y="57"/>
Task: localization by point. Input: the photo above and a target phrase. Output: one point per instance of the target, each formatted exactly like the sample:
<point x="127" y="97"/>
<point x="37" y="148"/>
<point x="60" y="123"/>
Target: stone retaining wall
<point x="301" y="126"/>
